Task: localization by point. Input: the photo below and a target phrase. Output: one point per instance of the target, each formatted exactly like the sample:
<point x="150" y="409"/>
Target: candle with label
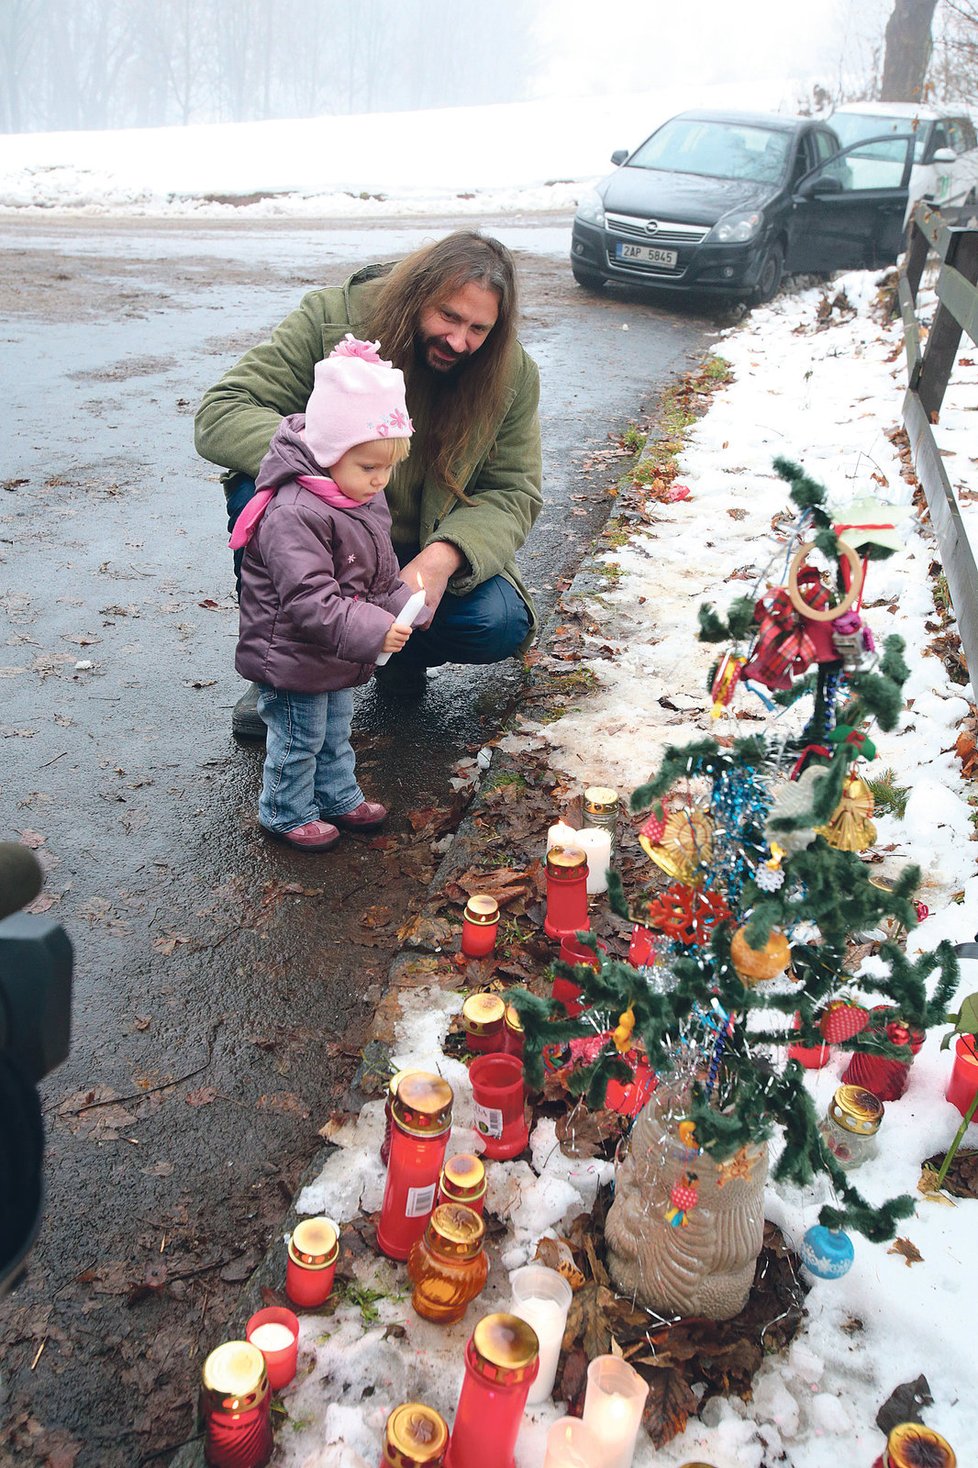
<point x="406" y="617"/>
<point x="421" y="1121"/>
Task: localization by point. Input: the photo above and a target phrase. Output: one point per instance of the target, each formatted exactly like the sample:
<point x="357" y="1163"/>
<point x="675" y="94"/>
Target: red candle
<point x="513" y="1036"/>
<point x="963" y="1082"/>
<point x="887" y="1078"/>
<point x="415" y="1437"/>
<point x="275" y="1332"/>
<point x="500" y="1114"/>
<point x="235" y="1404"/>
<point x="812" y="1057"/>
<point x="628" y="1099"/>
<point x="311" y="1261"/>
<point x="463" y="1180"/>
<point x="501" y="1363"/>
<point x="385" y="1146"/>
<point x="421" y="1116"/>
<point x="480" y="924"/>
<point x="574" y="953"/>
<point x="483" y="1017"/>
<point x="566" y="892"/>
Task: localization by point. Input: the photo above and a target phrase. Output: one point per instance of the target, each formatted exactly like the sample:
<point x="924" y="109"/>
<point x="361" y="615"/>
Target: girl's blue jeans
<point x="309" y="772"/>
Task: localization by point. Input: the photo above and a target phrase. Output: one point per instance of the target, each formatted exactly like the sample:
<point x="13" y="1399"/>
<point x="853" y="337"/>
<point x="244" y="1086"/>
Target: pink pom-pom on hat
<point x="358" y="397"/>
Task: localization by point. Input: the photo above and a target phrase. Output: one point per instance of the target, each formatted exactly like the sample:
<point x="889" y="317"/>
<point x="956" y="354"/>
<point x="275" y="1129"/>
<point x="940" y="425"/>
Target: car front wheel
<point x="589" y="279"/>
<point x="770" y="277"/>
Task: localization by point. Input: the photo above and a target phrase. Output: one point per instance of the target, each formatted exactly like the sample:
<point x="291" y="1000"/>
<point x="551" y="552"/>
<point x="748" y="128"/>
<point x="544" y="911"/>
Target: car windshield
<point x="715" y="150"/>
<point x="852" y="127"/>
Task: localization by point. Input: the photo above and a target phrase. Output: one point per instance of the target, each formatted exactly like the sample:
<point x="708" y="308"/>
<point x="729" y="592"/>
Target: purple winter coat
<point x="319" y="584"/>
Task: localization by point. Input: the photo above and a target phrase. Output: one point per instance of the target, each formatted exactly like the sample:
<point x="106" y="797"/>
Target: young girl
<point x="320" y="591"/>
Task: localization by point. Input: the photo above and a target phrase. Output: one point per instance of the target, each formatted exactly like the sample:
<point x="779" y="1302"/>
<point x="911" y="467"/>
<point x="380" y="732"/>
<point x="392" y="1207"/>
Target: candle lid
<point x="904" y="1444"/>
<point x="234" y="1377"/>
<point x="504" y="1348"/>
<point x="415" y="1435"/>
<point x="455" y="1231"/>
<point x="314" y="1243"/>
<point x="422" y="1104"/>
<point x="566" y="861"/>
<point x="857" y="1110"/>
<point x="395" y="1081"/>
<point x="482" y="1012"/>
<point x="482" y="909"/>
<point x="513" y="1021"/>
<point x="600" y="799"/>
<point x="464" y="1175"/>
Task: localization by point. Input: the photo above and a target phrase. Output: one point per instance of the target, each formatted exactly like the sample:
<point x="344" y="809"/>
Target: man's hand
<point x="436" y="565"/>
<point x="397" y="636"/>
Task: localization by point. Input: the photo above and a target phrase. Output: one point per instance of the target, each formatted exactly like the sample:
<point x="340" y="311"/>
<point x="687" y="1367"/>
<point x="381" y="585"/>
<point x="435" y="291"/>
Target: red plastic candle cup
<point x="963" y="1082"/>
<point x="275" y="1332"/>
<point x="421" y="1117"/>
<point x="566" y="892"/>
<point x="501" y="1363"/>
<point x="628" y="1099"/>
<point x="463" y="1180"/>
<point x="235" y="1404"/>
<point x="311" y="1261"/>
<point x="480" y="924"/>
<point x="641" y="947"/>
<point x="483" y="1020"/>
<point x="812" y="1057"/>
<point x="500" y="1114"/>
<point x="513" y="1036"/>
<point x="574" y="953"/>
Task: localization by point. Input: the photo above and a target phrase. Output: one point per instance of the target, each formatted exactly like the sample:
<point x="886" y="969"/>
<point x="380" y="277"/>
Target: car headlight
<point x="736" y="227"/>
<point x="591" y="208"/>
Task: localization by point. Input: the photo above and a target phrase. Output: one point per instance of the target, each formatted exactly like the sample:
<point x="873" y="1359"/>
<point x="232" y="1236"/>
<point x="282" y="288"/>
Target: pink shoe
<point x="367" y="816"/>
<point x="313" y="836"/>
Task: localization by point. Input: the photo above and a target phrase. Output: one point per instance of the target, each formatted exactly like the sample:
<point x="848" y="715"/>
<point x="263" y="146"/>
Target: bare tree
<point x="955" y="67"/>
<point x="18" y="31"/>
<point x="908" y="50"/>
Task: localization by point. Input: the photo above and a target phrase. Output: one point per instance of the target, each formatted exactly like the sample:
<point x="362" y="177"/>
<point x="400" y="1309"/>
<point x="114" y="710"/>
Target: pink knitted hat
<point x="357" y="398"/>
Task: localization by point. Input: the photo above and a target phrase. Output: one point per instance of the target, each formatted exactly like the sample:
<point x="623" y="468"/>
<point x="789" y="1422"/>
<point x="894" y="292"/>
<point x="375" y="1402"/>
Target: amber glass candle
<point x="480" y="924"/>
<point x="483" y="1017"/>
<point x="447" y="1265"/>
<point x="911" y="1444"/>
<point x="421" y="1122"/>
<point x="566" y="892"/>
<point x="416" y="1436"/>
<point x="501" y="1362"/>
<point x="311" y="1261"/>
<point x="463" y="1180"/>
<point x="235" y="1404"/>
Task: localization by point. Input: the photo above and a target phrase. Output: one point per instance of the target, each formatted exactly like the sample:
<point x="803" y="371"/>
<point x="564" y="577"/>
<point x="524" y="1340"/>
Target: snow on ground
<point x="827" y="399"/>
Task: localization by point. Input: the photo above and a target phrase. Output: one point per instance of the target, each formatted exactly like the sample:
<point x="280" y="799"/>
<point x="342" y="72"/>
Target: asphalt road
<point x="221" y="983"/>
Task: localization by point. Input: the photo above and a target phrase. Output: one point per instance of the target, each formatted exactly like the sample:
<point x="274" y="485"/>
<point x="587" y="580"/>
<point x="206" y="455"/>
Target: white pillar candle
<point x="613" y="1405"/>
<point x="542" y="1298"/>
<point x="406" y="617"/>
<point x="572" y="1444"/>
<point x="597" y="844"/>
<point x="561" y="835"/>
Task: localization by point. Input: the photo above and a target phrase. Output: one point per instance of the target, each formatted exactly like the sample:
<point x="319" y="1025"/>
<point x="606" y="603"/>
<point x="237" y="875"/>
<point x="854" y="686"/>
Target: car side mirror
<point x="945" y="155"/>
<point x="821" y="184"/>
<point x="618" y="156"/>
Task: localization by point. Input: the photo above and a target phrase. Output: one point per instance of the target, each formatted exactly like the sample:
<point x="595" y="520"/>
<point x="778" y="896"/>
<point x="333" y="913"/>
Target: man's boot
<point x="246" y="721"/>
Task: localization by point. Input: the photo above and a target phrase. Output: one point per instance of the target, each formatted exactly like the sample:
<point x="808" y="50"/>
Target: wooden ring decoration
<point x="813" y="614"/>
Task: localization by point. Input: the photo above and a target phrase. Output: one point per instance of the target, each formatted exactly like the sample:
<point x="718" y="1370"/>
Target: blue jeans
<point x="485" y="626"/>
<point x="309" y="760"/>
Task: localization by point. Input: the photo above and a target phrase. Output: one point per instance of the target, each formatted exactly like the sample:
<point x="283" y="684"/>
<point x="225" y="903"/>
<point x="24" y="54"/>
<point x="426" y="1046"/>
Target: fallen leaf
<point x="906" y="1251"/>
<point x="286" y="1103"/>
<point x="904" y="1404"/>
<point x="203" y="1096"/>
<point x="31" y="839"/>
<point x="670" y="1403"/>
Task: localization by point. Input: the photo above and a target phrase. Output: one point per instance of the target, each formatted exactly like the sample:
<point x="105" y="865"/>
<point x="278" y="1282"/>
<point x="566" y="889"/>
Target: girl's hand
<point x="397" y="636"/>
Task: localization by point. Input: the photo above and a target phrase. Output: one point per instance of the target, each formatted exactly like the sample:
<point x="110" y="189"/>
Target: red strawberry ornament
<point x="684" y="1197"/>
<point x="842" y="1021"/>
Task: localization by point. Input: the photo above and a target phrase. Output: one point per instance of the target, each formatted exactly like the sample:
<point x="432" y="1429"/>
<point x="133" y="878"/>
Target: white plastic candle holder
<point x="542" y="1298"/>
<point x="613" y="1406"/>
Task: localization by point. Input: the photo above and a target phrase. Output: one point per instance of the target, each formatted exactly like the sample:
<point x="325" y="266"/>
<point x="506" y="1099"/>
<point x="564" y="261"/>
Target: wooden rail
<point x="951" y="234"/>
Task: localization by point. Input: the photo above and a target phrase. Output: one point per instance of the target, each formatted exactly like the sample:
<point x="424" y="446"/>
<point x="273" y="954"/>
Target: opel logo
<point x="651" y="225"/>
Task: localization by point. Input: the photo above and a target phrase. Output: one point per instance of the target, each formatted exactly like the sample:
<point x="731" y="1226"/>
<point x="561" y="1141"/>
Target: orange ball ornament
<point x="753" y="965"/>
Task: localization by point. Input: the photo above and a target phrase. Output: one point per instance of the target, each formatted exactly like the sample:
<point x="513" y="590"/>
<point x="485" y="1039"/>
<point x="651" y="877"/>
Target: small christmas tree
<point x="760" y="838"/>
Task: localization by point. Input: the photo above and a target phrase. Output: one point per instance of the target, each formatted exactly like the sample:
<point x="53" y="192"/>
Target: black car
<point x="729" y="202"/>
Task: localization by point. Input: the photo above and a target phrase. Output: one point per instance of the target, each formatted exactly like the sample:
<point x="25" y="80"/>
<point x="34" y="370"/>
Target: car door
<point x="848" y="213"/>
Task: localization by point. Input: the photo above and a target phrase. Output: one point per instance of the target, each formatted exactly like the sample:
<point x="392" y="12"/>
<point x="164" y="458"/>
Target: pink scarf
<point x="322" y="487"/>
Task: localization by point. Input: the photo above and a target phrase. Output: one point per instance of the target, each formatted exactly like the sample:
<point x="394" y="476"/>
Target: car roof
<point x="748" y="119"/>
<point x="926" y="113"/>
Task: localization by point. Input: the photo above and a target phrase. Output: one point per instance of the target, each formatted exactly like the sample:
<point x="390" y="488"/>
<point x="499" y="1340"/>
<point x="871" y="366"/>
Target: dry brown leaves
<point x="907" y="1251"/>
<point x="962" y="1176"/>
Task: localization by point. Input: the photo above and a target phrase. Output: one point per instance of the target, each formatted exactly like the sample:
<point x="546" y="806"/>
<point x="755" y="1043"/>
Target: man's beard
<point x="434" y="353"/>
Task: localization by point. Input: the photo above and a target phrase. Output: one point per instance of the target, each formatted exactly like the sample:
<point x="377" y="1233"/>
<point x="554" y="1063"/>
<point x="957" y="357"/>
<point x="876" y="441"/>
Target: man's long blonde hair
<point x="462" y="406"/>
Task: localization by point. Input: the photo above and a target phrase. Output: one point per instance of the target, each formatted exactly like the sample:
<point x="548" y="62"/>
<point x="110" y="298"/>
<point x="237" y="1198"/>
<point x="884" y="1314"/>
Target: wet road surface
<point x="221" y="983"/>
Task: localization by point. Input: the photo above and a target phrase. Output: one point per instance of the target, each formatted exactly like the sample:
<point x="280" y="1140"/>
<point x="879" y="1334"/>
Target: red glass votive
<point x="963" y="1081"/>
<point x="500" y="1114"/>
<point x="501" y="1363"/>
<point x="566" y="892"/>
<point x="628" y="1099"/>
<point x="480" y="924"/>
<point x="513" y="1036"/>
<point x="574" y="953"/>
<point x="421" y="1122"/>
<point x="812" y="1057"/>
<point x="641" y="947"/>
<point x="887" y="1078"/>
<point x="235" y="1404"/>
<point x="311" y="1261"/>
<point x="483" y="1020"/>
<point x="463" y="1180"/>
<point x="267" y="1330"/>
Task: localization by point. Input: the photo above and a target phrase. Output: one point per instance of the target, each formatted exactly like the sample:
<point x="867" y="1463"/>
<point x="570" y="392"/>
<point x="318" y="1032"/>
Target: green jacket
<point x="238" y="416"/>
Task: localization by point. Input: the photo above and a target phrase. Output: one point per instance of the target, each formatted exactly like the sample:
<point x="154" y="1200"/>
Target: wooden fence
<point x="951" y="234"/>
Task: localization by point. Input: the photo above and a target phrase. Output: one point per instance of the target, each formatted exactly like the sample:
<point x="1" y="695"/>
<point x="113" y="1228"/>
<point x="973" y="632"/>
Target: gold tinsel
<point x="850" y="828"/>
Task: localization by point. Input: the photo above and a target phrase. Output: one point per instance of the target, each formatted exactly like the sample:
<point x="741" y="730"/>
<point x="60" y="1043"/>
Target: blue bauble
<point x="827" y="1252"/>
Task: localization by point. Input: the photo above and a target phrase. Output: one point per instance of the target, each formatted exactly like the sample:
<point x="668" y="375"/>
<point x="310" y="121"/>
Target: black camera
<point x="35" y="1032"/>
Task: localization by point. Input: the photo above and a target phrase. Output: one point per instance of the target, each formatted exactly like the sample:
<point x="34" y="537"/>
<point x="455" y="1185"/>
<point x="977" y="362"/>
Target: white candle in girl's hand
<point x="406" y="617"/>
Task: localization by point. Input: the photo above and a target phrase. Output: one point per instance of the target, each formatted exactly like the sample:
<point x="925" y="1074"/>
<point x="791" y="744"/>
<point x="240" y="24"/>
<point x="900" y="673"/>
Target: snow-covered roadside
<point x="827" y="399"/>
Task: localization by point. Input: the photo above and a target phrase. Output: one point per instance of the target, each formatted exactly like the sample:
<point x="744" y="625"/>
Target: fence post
<point x="945" y="333"/>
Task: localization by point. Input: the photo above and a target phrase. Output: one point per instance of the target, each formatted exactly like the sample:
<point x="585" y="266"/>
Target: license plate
<point x="648" y="254"/>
